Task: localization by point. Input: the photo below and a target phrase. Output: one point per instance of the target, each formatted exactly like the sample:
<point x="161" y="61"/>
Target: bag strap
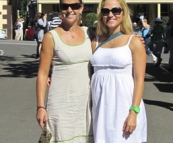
<point x="109" y="39"/>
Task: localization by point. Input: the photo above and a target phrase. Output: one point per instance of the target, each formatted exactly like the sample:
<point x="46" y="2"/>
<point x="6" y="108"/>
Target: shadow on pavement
<point x="159" y="103"/>
<point x="164" y="87"/>
<point x="5" y="58"/>
<point x="154" y="73"/>
<point x="18" y="66"/>
<point x="163" y="82"/>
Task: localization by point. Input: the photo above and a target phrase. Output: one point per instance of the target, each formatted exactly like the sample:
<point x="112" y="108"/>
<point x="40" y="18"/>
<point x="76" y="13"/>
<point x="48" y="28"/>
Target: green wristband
<point x="135" y="108"/>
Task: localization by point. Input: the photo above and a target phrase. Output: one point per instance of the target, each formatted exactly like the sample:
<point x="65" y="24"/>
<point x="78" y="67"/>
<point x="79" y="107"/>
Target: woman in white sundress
<point x="118" y="81"/>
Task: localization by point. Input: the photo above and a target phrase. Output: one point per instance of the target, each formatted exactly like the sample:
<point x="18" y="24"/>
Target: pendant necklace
<point x="72" y="36"/>
<point x="110" y="42"/>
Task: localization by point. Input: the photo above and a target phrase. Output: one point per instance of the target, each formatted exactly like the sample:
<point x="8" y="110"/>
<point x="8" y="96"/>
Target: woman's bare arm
<point x="46" y="56"/>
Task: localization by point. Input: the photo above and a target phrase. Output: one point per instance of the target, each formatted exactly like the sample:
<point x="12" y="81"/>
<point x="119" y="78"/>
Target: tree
<point x="22" y="7"/>
<point x="90" y="19"/>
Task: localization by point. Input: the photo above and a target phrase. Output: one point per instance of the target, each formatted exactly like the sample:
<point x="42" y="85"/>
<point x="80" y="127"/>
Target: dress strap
<point x="110" y="38"/>
<point x="85" y="29"/>
<point x="97" y="41"/>
<point x="130" y="39"/>
<point x="55" y="37"/>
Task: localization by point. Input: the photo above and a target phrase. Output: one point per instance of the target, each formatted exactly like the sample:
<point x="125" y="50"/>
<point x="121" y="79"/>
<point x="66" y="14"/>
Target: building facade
<point x="149" y="8"/>
<point x="5" y="17"/>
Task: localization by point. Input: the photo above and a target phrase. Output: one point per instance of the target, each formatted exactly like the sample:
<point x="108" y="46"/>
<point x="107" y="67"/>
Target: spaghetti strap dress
<point x="112" y="87"/>
<point x="69" y="98"/>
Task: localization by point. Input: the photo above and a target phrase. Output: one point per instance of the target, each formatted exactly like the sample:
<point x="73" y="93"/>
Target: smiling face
<point x="70" y="10"/>
<point x="112" y="14"/>
<point x="117" y="19"/>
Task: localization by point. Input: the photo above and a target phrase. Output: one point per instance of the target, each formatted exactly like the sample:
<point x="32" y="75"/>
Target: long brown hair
<point x="37" y="16"/>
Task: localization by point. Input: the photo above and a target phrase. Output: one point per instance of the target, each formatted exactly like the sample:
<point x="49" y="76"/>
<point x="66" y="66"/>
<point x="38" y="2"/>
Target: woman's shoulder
<point x="135" y="42"/>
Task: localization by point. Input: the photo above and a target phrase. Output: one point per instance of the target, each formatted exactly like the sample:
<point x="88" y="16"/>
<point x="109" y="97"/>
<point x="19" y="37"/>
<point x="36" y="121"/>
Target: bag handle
<point x="109" y="39"/>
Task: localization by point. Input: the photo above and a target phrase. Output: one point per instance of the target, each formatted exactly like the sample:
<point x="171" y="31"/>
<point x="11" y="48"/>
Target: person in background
<point x="55" y="21"/>
<point x="171" y="20"/>
<point x="30" y="23"/>
<point x="169" y="41"/>
<point x="147" y="37"/>
<point x="21" y="29"/>
<point x="136" y="29"/>
<point x="117" y="85"/>
<point x="68" y="48"/>
<point x="43" y="28"/>
<point x="36" y="30"/>
<point x="37" y="16"/>
<point x="17" y="26"/>
<point x="158" y="37"/>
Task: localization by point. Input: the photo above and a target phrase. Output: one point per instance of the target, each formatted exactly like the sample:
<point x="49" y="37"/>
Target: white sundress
<point x="112" y="88"/>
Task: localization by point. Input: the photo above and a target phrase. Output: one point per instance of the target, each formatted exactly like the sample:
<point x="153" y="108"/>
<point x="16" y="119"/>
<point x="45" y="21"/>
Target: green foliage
<point x="22" y="9"/>
<point x="90" y="19"/>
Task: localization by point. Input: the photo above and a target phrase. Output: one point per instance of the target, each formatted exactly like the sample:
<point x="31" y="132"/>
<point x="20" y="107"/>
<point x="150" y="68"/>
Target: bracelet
<point x="41" y="107"/>
<point x="136" y="109"/>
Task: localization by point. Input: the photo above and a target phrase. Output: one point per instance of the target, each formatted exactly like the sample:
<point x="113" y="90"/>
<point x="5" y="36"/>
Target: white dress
<point x="112" y="88"/>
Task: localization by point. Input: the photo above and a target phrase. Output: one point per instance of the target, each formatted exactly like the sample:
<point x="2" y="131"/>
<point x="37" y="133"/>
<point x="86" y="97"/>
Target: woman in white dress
<point x="118" y="81"/>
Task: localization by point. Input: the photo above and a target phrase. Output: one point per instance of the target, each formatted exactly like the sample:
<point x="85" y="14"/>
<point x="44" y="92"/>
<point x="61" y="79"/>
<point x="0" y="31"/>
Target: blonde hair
<point x="126" y="24"/>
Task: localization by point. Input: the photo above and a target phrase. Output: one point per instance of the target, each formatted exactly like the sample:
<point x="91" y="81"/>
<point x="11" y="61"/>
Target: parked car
<point x="3" y="34"/>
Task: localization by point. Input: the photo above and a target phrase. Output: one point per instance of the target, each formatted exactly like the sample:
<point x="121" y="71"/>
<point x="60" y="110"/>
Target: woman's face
<point x="112" y="14"/>
<point x="70" y="10"/>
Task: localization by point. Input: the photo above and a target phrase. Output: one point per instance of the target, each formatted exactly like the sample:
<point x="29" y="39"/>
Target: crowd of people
<point x="157" y="39"/>
<point x="36" y="28"/>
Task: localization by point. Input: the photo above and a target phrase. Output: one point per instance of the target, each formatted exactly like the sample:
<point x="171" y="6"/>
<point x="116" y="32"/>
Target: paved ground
<point x="18" y="70"/>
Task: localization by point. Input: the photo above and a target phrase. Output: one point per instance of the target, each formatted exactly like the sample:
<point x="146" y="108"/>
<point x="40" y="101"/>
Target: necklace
<point x="72" y="36"/>
<point x="70" y="33"/>
<point x="110" y="42"/>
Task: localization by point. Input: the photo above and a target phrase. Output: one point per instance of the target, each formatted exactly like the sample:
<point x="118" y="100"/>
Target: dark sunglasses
<point x="115" y="11"/>
<point x="74" y="6"/>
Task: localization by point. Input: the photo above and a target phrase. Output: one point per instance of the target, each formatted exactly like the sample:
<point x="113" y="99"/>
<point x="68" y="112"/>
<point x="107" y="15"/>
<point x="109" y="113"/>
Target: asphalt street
<point x="18" y="71"/>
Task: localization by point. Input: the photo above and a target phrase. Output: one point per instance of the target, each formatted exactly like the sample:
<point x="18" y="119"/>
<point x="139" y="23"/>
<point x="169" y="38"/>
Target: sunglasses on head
<point x="115" y="11"/>
<point x="74" y="6"/>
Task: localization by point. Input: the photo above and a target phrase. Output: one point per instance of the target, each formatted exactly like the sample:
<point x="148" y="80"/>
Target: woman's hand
<point x="48" y="81"/>
<point x="142" y="39"/>
<point x="130" y="123"/>
<point x="42" y="117"/>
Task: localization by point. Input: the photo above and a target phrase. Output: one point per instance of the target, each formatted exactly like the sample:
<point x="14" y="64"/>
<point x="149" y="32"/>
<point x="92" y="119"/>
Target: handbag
<point x="45" y="136"/>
